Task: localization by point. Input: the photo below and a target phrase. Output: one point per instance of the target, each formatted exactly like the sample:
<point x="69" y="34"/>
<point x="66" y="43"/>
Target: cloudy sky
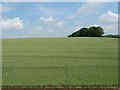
<point x="56" y="19"/>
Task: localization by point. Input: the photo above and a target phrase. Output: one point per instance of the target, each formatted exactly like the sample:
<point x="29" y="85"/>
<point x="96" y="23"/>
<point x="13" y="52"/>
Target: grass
<point x="60" y="61"/>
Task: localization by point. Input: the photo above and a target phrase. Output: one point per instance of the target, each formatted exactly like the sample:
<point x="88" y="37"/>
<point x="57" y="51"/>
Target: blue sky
<point x="56" y="19"/>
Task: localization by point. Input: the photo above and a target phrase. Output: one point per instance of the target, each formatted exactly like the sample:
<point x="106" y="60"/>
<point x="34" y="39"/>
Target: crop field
<point x="60" y="61"/>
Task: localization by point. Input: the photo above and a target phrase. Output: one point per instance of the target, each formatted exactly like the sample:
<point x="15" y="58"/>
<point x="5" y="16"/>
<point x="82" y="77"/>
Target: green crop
<point x="60" y="61"/>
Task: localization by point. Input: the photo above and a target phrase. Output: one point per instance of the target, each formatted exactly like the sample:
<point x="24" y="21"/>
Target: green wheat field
<point x="60" y="61"/>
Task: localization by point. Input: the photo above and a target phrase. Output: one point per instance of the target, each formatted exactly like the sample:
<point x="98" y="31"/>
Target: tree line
<point x="88" y="32"/>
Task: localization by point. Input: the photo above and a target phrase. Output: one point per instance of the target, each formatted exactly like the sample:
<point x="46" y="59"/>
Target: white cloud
<point x="48" y="27"/>
<point x="60" y="23"/>
<point x="110" y="29"/>
<point x="109" y="22"/>
<point x="12" y="24"/>
<point x="109" y="17"/>
<point x="46" y="20"/>
<point x="86" y="9"/>
<point x="50" y="21"/>
<point x="95" y="25"/>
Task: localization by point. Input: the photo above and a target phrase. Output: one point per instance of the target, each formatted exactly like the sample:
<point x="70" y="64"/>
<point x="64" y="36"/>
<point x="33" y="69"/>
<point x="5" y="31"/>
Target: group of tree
<point x="112" y="36"/>
<point x="88" y="32"/>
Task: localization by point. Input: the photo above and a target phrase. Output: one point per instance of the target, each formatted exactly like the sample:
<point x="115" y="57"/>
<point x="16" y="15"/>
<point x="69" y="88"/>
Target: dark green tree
<point x="95" y="31"/>
<point x="91" y="32"/>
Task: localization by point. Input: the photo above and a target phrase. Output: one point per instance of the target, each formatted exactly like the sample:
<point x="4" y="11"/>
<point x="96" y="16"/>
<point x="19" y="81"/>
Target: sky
<point x="56" y="19"/>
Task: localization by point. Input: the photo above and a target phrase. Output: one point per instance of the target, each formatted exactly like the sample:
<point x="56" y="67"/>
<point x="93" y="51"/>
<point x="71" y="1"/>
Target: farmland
<point x="60" y="61"/>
